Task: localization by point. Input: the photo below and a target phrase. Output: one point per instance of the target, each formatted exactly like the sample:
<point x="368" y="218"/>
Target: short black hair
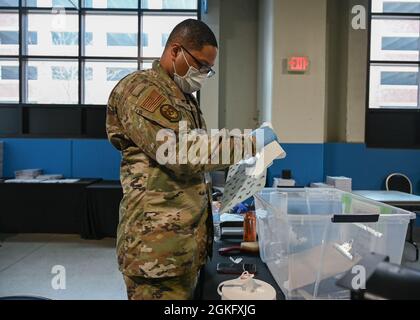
<point x="193" y="34"/>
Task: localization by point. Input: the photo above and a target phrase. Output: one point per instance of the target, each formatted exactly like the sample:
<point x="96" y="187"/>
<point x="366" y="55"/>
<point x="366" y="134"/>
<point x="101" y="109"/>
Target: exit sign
<point x="298" y="64"/>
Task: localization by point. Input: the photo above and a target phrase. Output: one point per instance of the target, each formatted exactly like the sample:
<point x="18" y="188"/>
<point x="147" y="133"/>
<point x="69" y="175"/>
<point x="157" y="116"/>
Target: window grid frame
<point x="389" y="128"/>
<point x="22" y="57"/>
<point x="379" y="15"/>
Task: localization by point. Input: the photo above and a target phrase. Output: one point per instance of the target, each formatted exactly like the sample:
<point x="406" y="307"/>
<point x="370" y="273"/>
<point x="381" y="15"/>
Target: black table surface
<point x="42" y="207"/>
<point x="104" y="184"/>
<point x="88" y="207"/>
<point x="212" y="279"/>
<point x="101" y="215"/>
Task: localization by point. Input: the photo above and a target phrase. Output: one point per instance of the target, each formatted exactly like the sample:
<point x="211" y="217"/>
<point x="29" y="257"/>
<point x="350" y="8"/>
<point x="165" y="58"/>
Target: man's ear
<point x="175" y="48"/>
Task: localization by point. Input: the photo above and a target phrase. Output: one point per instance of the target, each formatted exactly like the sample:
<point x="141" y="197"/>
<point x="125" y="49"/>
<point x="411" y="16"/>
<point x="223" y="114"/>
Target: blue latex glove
<point x="240" y="208"/>
<point x="268" y="133"/>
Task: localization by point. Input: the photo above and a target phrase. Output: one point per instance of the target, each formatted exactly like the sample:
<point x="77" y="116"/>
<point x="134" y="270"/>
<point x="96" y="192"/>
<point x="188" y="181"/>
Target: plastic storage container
<point x="310" y="237"/>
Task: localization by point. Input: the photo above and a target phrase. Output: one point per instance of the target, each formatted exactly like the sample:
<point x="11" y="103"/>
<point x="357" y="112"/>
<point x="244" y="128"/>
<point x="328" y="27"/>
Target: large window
<point x="394" y="54"/>
<point x="393" y="84"/>
<point x="69" y="54"/>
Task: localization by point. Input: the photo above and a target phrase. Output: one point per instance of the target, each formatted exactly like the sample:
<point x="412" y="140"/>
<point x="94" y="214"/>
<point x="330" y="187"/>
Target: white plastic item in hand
<point x="265" y="158"/>
<point x="244" y="180"/>
<point x="240" y="186"/>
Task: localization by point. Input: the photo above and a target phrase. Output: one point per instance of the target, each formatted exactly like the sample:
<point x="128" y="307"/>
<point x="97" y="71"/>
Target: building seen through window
<point x="111" y="47"/>
<point x="394" y="55"/>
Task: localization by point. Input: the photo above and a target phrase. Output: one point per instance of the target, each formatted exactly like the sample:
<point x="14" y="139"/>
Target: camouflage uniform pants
<point x="175" y="288"/>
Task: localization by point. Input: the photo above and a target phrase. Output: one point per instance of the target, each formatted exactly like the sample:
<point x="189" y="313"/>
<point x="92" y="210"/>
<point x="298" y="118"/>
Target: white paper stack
<point x="61" y="181"/>
<point x="52" y="181"/>
<point x="321" y="185"/>
<point x="21" y="181"/>
<point x="45" y="177"/>
<point x="1" y="158"/>
<point x="341" y="183"/>
<point x="279" y="183"/>
<point x="27" y="174"/>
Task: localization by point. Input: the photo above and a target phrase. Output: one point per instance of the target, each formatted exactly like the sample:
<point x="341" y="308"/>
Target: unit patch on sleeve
<point x="170" y="113"/>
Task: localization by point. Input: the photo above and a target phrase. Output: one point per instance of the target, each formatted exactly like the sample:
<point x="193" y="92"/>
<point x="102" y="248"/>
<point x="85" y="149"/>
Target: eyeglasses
<point x="203" y="68"/>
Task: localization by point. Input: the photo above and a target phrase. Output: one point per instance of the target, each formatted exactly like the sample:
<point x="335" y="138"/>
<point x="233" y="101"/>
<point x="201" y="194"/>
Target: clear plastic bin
<point x="310" y="237"/>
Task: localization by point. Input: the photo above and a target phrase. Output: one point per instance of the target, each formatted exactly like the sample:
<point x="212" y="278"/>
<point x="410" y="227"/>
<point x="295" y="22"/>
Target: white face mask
<point x="193" y="79"/>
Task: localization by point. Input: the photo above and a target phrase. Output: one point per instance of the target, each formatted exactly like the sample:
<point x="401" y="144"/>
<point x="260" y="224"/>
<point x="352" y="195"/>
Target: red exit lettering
<point x="298" y="64"/>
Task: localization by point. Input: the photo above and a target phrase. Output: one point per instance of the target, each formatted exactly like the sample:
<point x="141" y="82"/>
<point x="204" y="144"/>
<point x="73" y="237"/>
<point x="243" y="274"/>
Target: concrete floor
<point x="27" y="260"/>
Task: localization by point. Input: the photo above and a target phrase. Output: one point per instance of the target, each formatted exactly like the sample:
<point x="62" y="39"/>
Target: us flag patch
<point x="152" y="101"/>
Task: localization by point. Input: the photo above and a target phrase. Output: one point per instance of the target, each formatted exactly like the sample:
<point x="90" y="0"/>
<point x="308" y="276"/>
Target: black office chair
<point x="400" y="182"/>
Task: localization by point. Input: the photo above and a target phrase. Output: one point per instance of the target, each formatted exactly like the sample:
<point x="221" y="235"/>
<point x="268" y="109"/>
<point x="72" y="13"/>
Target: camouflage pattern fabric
<point x="173" y="288"/>
<point x="165" y="227"/>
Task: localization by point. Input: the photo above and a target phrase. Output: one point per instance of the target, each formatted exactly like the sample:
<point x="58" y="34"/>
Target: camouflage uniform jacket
<point x="165" y="221"/>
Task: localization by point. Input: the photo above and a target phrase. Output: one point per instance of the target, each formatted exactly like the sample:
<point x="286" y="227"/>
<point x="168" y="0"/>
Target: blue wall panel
<point x="370" y="167"/>
<point x="305" y="160"/>
<point x="309" y="162"/>
<point x="54" y="156"/>
<point x="72" y="158"/>
<point x="95" y="159"/>
<point x="367" y="167"/>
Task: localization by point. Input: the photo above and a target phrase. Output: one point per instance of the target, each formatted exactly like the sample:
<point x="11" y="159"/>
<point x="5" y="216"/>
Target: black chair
<point x="400" y="182"/>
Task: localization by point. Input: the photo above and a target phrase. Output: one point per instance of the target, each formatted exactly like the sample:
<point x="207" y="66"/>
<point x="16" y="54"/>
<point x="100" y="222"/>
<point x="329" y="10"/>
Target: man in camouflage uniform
<point x="165" y="230"/>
